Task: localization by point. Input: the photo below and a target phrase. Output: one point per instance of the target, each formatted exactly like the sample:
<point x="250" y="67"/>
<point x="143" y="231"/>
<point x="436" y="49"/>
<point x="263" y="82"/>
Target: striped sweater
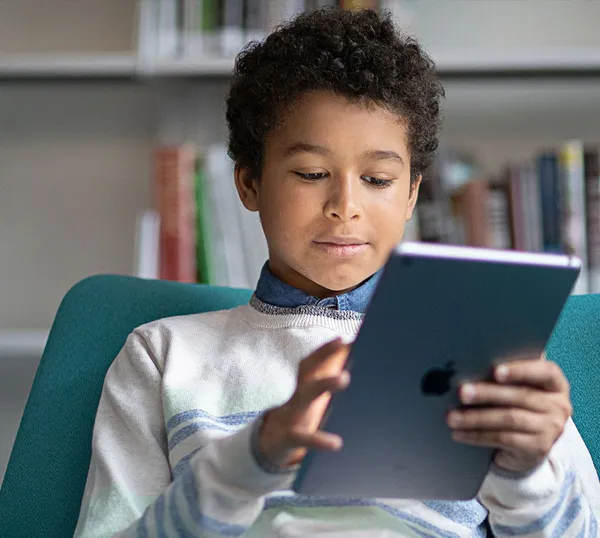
<point x="172" y="446"/>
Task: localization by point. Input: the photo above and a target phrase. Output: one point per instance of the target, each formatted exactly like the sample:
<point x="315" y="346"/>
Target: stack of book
<point x="188" y="28"/>
<point x="199" y="231"/>
<point x="549" y="204"/>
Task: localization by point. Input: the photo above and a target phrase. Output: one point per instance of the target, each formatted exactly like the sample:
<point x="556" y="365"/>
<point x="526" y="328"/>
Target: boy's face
<point x="334" y="194"/>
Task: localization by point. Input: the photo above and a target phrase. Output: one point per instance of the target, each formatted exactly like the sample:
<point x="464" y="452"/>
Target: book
<point x="550" y="202"/>
<point x="176" y="208"/>
<point x="518" y="210"/>
<point x="255" y="20"/>
<point x="146" y="246"/>
<point x="210" y="22"/>
<point x="230" y="267"/>
<point x="573" y="210"/>
<point x="318" y="4"/>
<point x="168" y="32"/>
<point x="359" y="4"/>
<point x="192" y="21"/>
<point x="280" y="11"/>
<point x="498" y="216"/>
<point x="232" y="30"/>
<point x="473" y="203"/>
<point x="592" y="184"/>
<point x="204" y="234"/>
<point x="532" y="207"/>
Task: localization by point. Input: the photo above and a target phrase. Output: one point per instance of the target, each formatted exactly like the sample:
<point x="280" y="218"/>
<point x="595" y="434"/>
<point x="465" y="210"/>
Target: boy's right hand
<point x="287" y="431"/>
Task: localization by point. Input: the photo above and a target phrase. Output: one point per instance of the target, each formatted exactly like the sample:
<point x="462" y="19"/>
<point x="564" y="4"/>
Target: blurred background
<point x="112" y="155"/>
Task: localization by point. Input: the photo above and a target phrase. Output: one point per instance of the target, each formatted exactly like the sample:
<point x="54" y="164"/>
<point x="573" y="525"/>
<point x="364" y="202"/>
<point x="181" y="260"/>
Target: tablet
<point x="439" y="315"/>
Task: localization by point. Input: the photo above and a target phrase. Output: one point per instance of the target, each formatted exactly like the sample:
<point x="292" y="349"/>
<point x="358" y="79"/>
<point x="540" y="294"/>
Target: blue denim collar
<point x="273" y="291"/>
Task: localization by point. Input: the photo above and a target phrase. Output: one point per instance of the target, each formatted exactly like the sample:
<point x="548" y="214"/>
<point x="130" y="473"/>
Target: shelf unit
<point x="25" y="66"/>
<point x="451" y="64"/>
<point x="125" y="99"/>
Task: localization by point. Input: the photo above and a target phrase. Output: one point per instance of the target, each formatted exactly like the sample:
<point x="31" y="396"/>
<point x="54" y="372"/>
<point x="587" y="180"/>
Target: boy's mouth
<point x="342" y="247"/>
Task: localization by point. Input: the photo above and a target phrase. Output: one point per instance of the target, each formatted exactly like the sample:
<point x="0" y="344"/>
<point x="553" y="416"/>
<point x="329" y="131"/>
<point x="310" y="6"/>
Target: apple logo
<point x="436" y="382"/>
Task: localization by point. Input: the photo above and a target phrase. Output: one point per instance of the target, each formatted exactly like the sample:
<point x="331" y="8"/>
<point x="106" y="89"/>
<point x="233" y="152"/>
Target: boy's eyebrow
<point x="304" y="147"/>
<point x="383" y="155"/>
<point x="374" y="154"/>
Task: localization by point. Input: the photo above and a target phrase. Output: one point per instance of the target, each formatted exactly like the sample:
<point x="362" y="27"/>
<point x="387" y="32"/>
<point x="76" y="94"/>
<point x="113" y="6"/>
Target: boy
<point x="204" y="418"/>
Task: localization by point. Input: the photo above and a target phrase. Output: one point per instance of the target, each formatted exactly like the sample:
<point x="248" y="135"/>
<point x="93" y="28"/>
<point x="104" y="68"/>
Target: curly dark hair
<point x="356" y="54"/>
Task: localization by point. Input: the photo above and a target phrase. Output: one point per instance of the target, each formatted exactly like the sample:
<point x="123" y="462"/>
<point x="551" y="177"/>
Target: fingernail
<point x="454" y="419"/>
<point x="502" y="373"/>
<point x="460" y="436"/>
<point x="345" y="378"/>
<point x="467" y="393"/>
<point x="336" y="444"/>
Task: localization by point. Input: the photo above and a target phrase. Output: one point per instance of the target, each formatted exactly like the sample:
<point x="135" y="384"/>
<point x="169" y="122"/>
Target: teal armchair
<point x="46" y="474"/>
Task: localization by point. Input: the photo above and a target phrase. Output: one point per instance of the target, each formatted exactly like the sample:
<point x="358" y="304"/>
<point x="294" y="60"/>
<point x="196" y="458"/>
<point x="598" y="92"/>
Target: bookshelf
<point x="87" y="98"/>
<point x="15" y="344"/>
<point x="24" y="66"/>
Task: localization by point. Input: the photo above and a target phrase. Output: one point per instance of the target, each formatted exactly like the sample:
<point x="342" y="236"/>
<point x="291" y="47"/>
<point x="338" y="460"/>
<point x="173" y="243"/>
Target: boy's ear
<point x="413" y="196"/>
<point x="247" y="187"/>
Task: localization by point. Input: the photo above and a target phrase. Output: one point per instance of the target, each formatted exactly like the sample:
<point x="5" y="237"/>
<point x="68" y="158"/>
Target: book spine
<point x="433" y="220"/>
<point x="180" y="28"/>
<point x="232" y="31"/>
<point x="280" y="11"/>
<point x="204" y="265"/>
<point x="210" y="21"/>
<point x="146" y="262"/>
<point x="474" y="209"/>
<point x="516" y="193"/>
<point x="592" y="184"/>
<point x="319" y="4"/>
<point x="176" y="207"/>
<point x="255" y="20"/>
<point x="498" y="214"/>
<point x="359" y="4"/>
<point x="167" y="29"/>
<point x="550" y="202"/>
<point x="225" y="200"/>
<point x="192" y="25"/>
<point x="533" y="207"/>
<point x="573" y="214"/>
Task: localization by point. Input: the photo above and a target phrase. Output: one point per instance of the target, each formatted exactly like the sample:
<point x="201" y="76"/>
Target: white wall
<point x="75" y="168"/>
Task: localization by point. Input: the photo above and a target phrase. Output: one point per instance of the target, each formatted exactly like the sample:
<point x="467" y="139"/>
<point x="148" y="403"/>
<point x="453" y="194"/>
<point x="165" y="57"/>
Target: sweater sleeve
<point x="130" y="490"/>
<point x="558" y="499"/>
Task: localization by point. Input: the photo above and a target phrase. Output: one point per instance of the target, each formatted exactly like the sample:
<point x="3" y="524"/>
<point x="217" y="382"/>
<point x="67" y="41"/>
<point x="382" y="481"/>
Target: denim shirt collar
<point x="273" y="291"/>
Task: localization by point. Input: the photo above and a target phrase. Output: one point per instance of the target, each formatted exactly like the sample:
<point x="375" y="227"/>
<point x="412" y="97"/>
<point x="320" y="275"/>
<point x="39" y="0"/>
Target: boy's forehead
<point x="326" y="118"/>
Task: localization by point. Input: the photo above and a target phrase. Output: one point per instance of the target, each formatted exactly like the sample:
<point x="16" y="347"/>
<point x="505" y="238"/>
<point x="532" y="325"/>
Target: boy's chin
<point x="344" y="281"/>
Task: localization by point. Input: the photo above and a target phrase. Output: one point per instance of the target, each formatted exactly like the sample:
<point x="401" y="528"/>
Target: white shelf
<point x="518" y="60"/>
<point x="22" y="343"/>
<point x="195" y="66"/>
<point x="474" y="62"/>
<point x="67" y="65"/>
<point x="448" y="62"/>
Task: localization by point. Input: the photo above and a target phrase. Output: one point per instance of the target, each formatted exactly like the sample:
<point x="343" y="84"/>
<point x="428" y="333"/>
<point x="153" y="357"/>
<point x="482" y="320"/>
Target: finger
<point x="321" y="356"/>
<point x="543" y="374"/>
<point x="527" y="443"/>
<point x="310" y="391"/>
<point x="318" y="440"/>
<point x="493" y="419"/>
<point x="504" y="395"/>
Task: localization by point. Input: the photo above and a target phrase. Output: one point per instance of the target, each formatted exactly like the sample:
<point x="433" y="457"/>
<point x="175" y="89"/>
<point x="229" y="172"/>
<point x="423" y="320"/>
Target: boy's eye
<point x="312" y="176"/>
<point x="376" y="182"/>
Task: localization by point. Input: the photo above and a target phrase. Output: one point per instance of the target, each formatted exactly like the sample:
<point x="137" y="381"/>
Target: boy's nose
<point x="342" y="203"/>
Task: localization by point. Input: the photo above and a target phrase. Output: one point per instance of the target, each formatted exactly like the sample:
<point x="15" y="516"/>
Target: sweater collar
<point x="273" y="291"/>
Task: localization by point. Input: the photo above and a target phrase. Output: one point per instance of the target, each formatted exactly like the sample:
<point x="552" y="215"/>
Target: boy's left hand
<point x="524" y="412"/>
